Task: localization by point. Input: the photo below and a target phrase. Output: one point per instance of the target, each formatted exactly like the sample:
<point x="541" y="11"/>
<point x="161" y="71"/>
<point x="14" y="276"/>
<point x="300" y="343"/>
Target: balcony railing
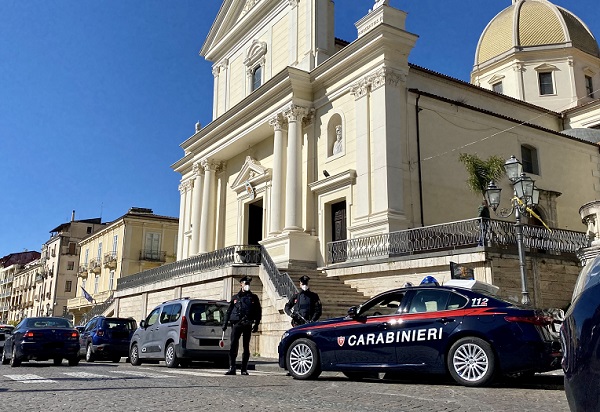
<point x="201" y="263"/>
<point x="454" y="235"/>
<point x="95" y="266"/>
<point x="153" y="255"/>
<point x="110" y="260"/>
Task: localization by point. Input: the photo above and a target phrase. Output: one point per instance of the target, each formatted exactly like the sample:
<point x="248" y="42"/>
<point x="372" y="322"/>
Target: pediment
<point x="231" y="13"/>
<point x="496" y="78"/>
<point x="251" y="172"/>
<point x="545" y="68"/>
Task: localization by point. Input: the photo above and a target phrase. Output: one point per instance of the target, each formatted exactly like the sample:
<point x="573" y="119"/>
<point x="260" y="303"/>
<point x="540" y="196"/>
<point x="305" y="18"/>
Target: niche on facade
<point x="336" y="145"/>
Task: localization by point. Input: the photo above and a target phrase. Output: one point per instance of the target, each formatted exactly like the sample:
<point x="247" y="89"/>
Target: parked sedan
<point x="460" y="328"/>
<point x="5" y="331"/>
<point x="42" y="339"/>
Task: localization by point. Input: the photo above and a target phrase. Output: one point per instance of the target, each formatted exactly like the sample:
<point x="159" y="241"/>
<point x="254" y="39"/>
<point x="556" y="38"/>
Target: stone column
<point x="188" y="219"/>
<point x="363" y="153"/>
<point x="180" y="235"/>
<point x="196" y="207"/>
<point x="207" y="222"/>
<point x="278" y="174"/>
<point x="293" y="189"/>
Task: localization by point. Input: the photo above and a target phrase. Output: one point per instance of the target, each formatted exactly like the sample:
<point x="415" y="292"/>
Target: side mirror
<point x="353" y="312"/>
<point x="143" y="324"/>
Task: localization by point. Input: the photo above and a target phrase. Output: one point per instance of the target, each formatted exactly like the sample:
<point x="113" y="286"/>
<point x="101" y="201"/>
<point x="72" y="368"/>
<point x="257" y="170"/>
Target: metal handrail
<point x="284" y="285"/>
<point x="454" y="235"/>
<point x="97" y="310"/>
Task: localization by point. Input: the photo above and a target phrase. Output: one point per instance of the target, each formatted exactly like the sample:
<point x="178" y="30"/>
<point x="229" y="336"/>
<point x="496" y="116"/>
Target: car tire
<point x="57" y="361"/>
<point x="74" y="361"/>
<point x="5" y="360"/>
<point x="302" y="359"/>
<point x="471" y="362"/>
<point x="171" y="359"/>
<point x="14" y="360"/>
<point x="89" y="353"/>
<point x="134" y="355"/>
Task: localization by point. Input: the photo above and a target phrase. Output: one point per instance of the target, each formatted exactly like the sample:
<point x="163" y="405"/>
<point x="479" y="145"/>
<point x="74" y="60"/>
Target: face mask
<point x="304" y="287"/>
<point x="246" y="288"/>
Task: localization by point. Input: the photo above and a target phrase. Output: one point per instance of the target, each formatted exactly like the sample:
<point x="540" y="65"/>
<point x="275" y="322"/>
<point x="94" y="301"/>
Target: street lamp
<point x="525" y="195"/>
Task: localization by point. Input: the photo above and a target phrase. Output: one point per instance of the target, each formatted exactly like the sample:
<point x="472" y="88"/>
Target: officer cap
<point x="246" y="279"/>
<point x="304" y="280"/>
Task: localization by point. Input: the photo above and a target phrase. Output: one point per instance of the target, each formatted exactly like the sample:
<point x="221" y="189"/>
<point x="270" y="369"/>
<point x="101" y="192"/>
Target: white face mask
<point x="246" y="288"/>
<point x="304" y="287"/>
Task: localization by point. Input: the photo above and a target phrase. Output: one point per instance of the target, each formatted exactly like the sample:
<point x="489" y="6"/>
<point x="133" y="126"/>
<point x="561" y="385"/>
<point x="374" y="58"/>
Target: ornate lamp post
<point x="525" y="195"/>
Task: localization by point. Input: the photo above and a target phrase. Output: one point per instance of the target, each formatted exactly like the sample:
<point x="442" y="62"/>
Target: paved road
<point x="105" y="386"/>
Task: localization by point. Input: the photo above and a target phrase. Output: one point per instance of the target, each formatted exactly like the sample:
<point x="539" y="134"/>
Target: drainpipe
<point x="417" y="110"/>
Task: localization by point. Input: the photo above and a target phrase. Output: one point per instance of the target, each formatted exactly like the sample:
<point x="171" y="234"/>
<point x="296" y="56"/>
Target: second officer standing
<point x="244" y="313"/>
<point x="305" y="306"/>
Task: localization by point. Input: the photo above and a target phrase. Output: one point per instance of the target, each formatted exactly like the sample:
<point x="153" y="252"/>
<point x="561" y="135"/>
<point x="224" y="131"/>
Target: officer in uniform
<point x="305" y="306"/>
<point x="244" y="313"/>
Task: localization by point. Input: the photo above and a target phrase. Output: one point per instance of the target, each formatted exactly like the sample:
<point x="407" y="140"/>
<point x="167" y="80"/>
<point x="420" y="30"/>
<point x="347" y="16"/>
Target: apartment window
<point x="86" y="257"/>
<point x="111" y="280"/>
<point x="529" y="158"/>
<point x="96" y="284"/>
<point x="115" y="243"/>
<point x="99" y="251"/>
<point x="589" y="86"/>
<point x="70" y="265"/>
<point x="68" y="285"/>
<point x="89" y="230"/>
<point x="152" y="246"/>
<point x="546" y="83"/>
<point x="497" y="87"/>
<point x="72" y="248"/>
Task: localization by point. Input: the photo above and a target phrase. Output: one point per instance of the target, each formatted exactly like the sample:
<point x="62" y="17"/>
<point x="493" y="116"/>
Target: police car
<point x="460" y="328"/>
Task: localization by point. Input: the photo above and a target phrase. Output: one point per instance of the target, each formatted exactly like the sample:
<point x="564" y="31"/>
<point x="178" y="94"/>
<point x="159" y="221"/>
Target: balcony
<point x="153" y="255"/>
<point x="95" y="266"/>
<point x="39" y="278"/>
<point x="110" y="260"/>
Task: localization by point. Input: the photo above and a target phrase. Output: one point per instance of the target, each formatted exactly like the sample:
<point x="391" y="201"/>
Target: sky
<point x="97" y="96"/>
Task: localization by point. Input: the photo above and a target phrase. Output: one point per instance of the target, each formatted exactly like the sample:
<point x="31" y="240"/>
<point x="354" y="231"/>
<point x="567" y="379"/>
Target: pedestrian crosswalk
<point x="148" y="373"/>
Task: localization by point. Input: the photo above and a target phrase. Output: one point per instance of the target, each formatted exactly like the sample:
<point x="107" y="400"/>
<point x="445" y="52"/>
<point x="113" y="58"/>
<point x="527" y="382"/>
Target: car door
<point x="366" y="340"/>
<point x="430" y="318"/>
<point x="149" y="345"/>
<point x="84" y="337"/>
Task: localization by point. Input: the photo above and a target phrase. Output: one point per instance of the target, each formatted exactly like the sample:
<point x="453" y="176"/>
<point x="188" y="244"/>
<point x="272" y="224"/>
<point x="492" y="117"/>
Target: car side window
<point x="91" y="324"/>
<point x="171" y="313"/>
<point x="429" y="301"/>
<point x="388" y="304"/>
<point x="457" y="301"/>
<point x="152" y="317"/>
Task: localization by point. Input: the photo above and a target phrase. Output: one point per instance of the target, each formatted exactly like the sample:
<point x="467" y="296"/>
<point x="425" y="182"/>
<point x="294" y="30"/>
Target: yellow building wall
<point x="280" y="43"/>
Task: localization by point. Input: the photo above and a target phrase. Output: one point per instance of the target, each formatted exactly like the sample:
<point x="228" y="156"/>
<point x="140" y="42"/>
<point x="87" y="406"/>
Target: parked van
<point x="180" y="331"/>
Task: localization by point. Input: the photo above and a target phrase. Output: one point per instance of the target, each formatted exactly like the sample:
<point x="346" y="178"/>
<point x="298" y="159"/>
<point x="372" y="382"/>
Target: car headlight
<point x="285" y="335"/>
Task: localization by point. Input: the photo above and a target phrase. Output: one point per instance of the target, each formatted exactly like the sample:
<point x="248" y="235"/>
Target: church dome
<point x="528" y="24"/>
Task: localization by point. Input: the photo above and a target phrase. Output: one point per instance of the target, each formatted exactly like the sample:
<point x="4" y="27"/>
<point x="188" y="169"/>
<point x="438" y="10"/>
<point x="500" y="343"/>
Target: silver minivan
<point x="180" y="331"/>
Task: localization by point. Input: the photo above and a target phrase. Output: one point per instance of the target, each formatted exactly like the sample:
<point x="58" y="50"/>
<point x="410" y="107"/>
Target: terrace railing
<point x="454" y="235"/>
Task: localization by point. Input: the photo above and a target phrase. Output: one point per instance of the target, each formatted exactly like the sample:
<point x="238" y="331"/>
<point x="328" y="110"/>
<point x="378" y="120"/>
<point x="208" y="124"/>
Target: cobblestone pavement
<point x="105" y="386"/>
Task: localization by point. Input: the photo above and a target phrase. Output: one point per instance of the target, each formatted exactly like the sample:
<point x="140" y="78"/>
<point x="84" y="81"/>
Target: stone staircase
<point x="336" y="297"/>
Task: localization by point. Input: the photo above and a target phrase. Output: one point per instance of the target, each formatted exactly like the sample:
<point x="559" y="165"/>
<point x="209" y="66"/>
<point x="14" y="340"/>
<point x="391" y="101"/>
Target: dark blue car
<point x="106" y="338"/>
<point x="581" y="341"/>
<point x="42" y="339"/>
<point x="460" y="328"/>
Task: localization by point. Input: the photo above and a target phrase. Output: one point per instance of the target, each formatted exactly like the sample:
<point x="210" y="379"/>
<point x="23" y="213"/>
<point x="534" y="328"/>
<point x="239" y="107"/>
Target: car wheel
<point x="170" y="356"/>
<point x="89" y="353"/>
<point x="134" y="355"/>
<point x="74" y="361"/>
<point x="471" y="362"/>
<point x="303" y="359"/>
<point x="5" y="360"/>
<point x="57" y="361"/>
<point x="14" y="360"/>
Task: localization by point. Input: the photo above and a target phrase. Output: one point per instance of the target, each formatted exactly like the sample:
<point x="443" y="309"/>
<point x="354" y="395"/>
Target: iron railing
<point x="454" y="235"/>
<point x="238" y="254"/>
<point x="282" y="281"/>
<point x="153" y="255"/>
<point x="97" y="310"/>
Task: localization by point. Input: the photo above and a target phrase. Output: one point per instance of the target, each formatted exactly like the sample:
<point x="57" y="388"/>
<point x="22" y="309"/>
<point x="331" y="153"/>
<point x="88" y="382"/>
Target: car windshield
<point x="48" y="323"/>
<point x="588" y="277"/>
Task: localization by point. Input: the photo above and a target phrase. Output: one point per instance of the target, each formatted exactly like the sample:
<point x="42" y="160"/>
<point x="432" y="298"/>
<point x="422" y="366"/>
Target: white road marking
<point x="86" y="375"/>
<point x="142" y="374"/>
<point x="29" y="379"/>
<point x="212" y="374"/>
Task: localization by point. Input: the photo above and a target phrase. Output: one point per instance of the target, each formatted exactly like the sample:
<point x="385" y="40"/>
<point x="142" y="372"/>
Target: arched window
<point x="255" y="63"/>
<point x="256" y="78"/>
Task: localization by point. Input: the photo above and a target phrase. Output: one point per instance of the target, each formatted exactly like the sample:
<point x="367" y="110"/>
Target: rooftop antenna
<point x="101" y="207"/>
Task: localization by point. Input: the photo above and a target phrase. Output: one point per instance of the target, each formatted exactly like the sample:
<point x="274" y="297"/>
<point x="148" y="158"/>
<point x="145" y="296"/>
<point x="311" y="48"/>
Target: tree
<point x="482" y="172"/>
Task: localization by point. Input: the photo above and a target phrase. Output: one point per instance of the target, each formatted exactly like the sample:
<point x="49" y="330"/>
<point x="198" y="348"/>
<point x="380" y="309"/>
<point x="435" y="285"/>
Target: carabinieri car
<point x="460" y="328"/>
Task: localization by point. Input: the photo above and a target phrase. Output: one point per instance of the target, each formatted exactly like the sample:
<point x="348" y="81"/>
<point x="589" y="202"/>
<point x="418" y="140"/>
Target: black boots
<point x="231" y="371"/>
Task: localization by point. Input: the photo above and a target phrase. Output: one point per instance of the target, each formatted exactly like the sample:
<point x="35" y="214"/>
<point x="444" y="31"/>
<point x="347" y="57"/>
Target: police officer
<point x="305" y="306"/>
<point x="244" y="313"/>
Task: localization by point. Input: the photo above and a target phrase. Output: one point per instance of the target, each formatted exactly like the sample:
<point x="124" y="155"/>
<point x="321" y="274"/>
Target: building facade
<point x="135" y="242"/>
<point x="10" y="267"/>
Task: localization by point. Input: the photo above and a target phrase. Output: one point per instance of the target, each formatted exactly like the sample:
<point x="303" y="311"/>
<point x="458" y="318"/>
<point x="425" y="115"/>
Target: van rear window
<point x="208" y="314"/>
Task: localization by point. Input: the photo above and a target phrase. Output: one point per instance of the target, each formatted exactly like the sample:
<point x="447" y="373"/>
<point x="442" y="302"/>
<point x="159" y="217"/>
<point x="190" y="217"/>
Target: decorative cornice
<point x="248" y="6"/>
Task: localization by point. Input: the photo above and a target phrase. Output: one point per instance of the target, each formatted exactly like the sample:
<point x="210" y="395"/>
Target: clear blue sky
<point x="96" y="96"/>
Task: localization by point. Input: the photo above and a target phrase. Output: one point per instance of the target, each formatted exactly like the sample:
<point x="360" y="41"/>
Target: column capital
<point x="295" y="113"/>
<point x="184" y="186"/>
<point x="360" y="88"/>
<point x="213" y="165"/>
<point x="277" y="122"/>
<point x="386" y="75"/>
<point x="198" y="169"/>
<point x="293" y="3"/>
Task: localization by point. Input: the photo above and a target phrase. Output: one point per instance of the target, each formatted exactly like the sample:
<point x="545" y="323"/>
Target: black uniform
<point x="305" y="306"/>
<point x="244" y="314"/>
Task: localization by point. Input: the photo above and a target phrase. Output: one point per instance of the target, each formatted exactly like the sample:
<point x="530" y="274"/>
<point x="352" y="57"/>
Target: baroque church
<point x="341" y="159"/>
